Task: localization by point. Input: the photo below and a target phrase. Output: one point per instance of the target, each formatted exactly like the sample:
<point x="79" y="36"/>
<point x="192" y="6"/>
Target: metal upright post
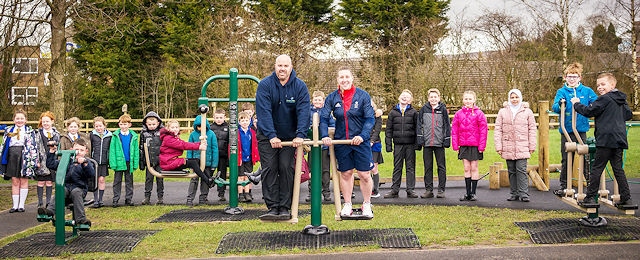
<point x="66" y="157"/>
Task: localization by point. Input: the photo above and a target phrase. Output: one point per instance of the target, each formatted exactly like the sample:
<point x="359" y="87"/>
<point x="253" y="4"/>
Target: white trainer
<point x="366" y="210"/>
<point x="346" y="209"/>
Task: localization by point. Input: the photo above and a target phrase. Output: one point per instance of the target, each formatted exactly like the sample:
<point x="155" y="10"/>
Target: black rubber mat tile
<point x="553" y="231"/>
<point x="208" y="215"/>
<point x="44" y="244"/>
<point x="255" y="241"/>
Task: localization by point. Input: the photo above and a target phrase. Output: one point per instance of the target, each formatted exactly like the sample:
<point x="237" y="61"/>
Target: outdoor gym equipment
<point x="233" y="99"/>
<point x="569" y="196"/>
<point x="185" y="173"/>
<point x="58" y="221"/>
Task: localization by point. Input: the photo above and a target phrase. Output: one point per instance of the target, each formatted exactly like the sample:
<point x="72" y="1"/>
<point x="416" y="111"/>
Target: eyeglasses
<point x="572" y="77"/>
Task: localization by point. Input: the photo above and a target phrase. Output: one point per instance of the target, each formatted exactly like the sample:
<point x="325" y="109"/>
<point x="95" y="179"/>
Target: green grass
<point x="435" y="226"/>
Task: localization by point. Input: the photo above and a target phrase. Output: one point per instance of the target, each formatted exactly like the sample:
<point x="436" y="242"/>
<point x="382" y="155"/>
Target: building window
<point x="24" y="95"/>
<point x="25" y="65"/>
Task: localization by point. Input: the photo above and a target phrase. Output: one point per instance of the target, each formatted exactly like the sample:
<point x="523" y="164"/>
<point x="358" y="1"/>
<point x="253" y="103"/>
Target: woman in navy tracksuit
<point x="354" y="116"/>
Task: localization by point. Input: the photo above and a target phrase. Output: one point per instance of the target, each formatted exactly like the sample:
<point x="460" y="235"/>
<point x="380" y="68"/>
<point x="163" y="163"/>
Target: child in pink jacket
<point x="515" y="139"/>
<point x="469" y="139"/>
<point x="173" y="147"/>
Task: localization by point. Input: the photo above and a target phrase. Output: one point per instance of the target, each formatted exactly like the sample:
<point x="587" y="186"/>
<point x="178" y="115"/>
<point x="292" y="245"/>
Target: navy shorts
<point x="352" y="156"/>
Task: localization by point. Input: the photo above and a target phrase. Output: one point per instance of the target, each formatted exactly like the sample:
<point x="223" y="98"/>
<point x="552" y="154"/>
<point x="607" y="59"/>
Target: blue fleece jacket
<point x="360" y="116"/>
<point x="283" y="111"/>
<point x="586" y="95"/>
<point x="212" y="144"/>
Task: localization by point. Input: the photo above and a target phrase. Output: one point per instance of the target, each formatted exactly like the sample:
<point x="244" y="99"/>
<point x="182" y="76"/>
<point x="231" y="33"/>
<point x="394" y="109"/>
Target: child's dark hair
<point x="80" y="142"/>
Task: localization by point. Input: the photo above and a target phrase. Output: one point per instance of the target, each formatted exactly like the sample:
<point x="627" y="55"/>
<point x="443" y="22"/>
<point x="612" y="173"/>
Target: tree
<point x="626" y="12"/>
<point x="605" y="40"/>
<point x="382" y="28"/>
<point x="543" y="11"/>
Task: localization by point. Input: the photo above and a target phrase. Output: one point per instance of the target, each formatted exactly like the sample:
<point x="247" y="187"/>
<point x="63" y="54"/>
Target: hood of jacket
<point x="164" y="132"/>
<point x="198" y="121"/>
<point x="617" y="96"/>
<point x="151" y="114"/>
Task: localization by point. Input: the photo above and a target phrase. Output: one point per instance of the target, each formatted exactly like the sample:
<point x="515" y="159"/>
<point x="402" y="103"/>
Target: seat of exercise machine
<point x="356" y="214"/>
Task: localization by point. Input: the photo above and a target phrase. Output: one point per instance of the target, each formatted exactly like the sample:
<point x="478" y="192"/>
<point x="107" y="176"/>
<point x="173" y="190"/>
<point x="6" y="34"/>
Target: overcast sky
<point x="471" y="9"/>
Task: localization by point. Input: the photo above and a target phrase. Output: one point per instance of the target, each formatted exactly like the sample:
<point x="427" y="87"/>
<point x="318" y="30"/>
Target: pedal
<point x="44" y="218"/>
<point x="627" y="207"/>
<point x="83" y="227"/>
<point x="589" y="205"/>
<point x="356" y="214"/>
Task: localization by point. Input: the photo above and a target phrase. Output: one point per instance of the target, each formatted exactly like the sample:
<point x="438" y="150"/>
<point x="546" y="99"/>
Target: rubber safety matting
<point x="553" y="231"/>
<point x="259" y="241"/>
<point x="44" y="244"/>
<point x="209" y="215"/>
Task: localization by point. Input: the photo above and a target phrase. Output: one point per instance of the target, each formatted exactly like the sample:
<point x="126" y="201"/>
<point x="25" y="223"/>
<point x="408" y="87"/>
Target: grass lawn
<point x="435" y="226"/>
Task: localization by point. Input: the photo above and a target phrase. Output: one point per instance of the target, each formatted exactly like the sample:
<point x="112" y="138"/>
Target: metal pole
<point x="316" y="176"/>
<point x="61" y="174"/>
<point x="233" y="138"/>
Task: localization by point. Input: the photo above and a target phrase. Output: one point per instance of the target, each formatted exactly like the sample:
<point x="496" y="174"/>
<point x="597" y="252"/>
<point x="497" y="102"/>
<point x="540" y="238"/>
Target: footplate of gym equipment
<point x="356" y="214"/>
<point x="287" y="240"/>
<point x="44" y="244"/>
<point x="553" y="231"/>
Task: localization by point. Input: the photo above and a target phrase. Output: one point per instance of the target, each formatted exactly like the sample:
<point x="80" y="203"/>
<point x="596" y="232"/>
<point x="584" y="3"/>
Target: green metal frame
<point x="233" y="99"/>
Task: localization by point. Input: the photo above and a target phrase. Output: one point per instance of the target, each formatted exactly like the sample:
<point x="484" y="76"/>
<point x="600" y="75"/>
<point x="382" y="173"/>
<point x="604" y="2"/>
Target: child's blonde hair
<point x="243" y="115"/>
<point x="126" y="118"/>
<point x="470" y="92"/>
<point x="19" y="111"/>
<point x="48" y="114"/>
<point x="247" y="106"/>
<point x="574" y="68"/>
<point x="610" y="77"/>
<point x="99" y="119"/>
<point x="171" y="122"/>
<point x="72" y="120"/>
<point x="317" y="93"/>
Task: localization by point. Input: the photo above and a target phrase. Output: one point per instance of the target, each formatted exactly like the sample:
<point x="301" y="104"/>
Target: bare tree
<point x="542" y="11"/>
<point x="625" y="12"/>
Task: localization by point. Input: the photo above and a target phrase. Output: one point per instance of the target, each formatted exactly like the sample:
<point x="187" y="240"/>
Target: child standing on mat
<point x="100" y="142"/>
<point x="172" y="147"/>
<point x="211" y="160"/>
<point x="469" y="139"/>
<point x="400" y="138"/>
<point x="123" y="159"/>
<point x="50" y="137"/>
<point x="434" y="134"/>
<point x="151" y="125"/>
<point x="515" y="140"/>
<point x="23" y="157"/>
<point x="610" y="111"/>
<point x="221" y="128"/>
<point x="247" y="154"/>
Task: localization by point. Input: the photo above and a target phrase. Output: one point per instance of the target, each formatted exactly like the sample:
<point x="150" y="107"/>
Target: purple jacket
<point x="469" y="128"/>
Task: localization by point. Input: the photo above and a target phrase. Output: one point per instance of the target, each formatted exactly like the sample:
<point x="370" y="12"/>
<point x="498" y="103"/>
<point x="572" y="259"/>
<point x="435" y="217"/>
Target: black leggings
<point x="194" y="164"/>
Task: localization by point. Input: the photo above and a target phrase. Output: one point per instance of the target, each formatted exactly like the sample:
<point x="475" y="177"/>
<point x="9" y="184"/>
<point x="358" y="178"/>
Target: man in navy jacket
<point x="282" y="107"/>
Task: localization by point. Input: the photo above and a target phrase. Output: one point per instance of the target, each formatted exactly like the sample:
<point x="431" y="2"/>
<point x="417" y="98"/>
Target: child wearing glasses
<point x="572" y="88"/>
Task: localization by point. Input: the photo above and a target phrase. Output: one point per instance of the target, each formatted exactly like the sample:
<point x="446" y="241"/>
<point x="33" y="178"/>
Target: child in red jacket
<point x="469" y="139"/>
<point x="172" y="147"/>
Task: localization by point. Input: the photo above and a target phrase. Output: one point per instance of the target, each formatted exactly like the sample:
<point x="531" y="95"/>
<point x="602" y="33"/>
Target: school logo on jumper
<point x="355" y="105"/>
<point x="338" y="105"/>
<point x="291" y="100"/>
